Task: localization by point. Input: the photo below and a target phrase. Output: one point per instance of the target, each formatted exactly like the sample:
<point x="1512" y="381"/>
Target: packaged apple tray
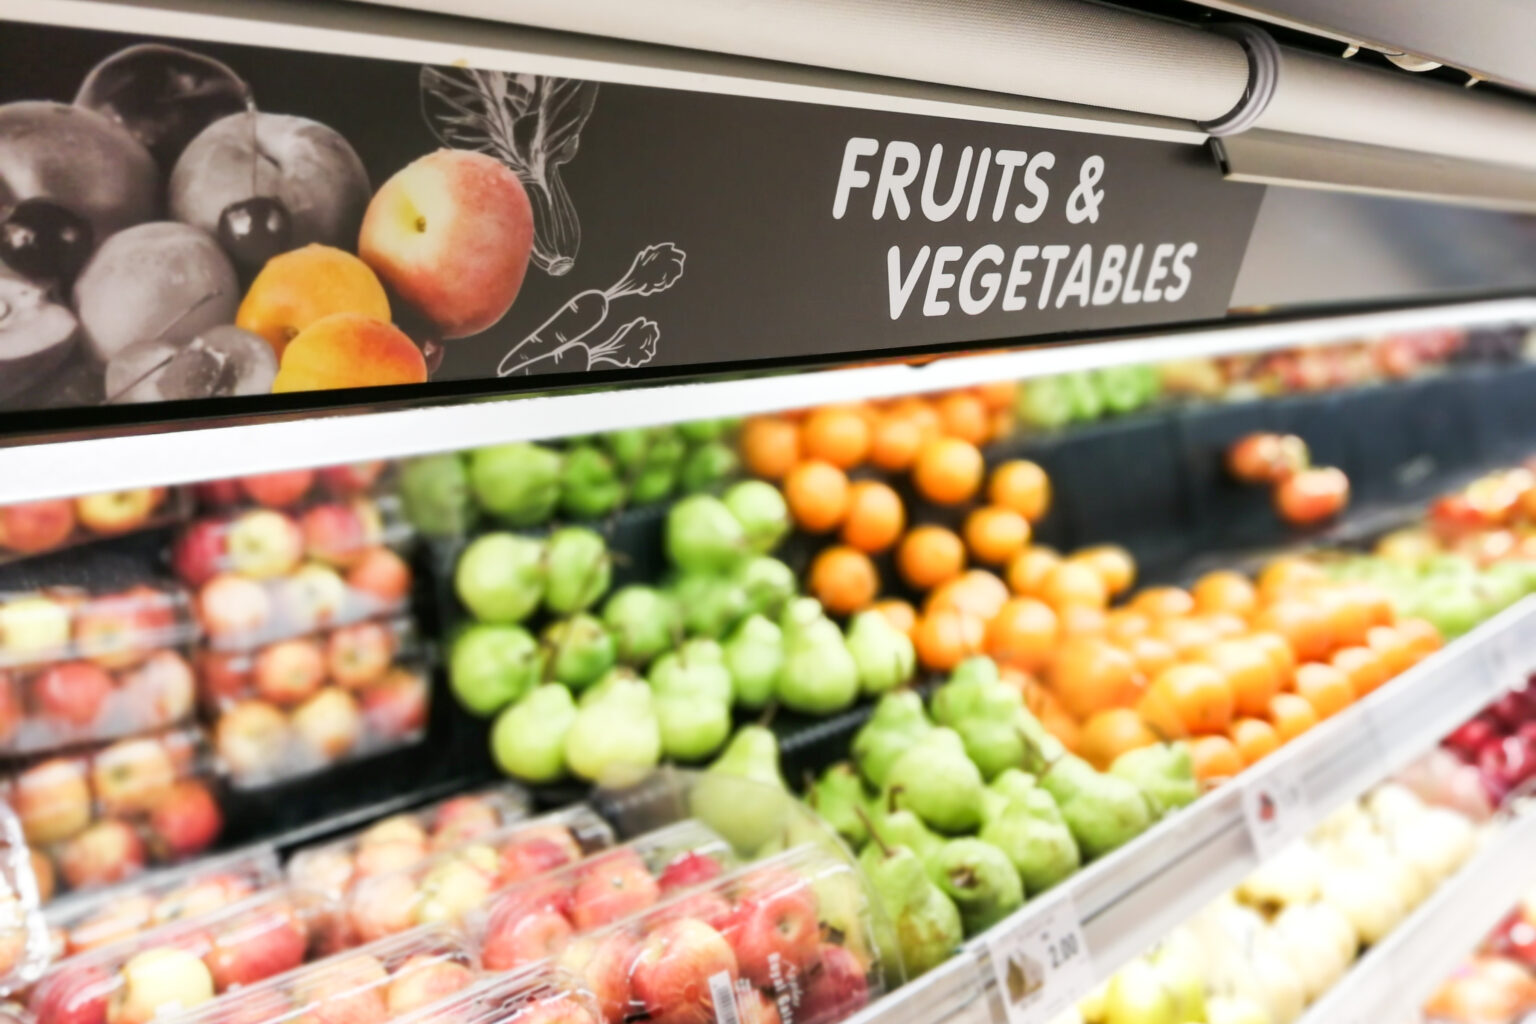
<point x="36" y="527"/>
<point x="79" y="668"/>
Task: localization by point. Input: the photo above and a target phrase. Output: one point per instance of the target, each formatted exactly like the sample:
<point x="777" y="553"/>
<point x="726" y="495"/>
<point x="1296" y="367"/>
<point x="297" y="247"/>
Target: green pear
<point x="697" y="673"/>
<point x="818" y="676"/>
<point x="580" y="650"/>
<point x="1137" y="994"/>
<point x="1030" y="831"/>
<point x="897" y="721"/>
<point x="761" y="510"/>
<point x="615" y="677"/>
<point x="925" y="923"/>
<point x="884" y="654"/>
<point x="936" y="780"/>
<point x="703" y="536"/>
<point x="644" y="623"/>
<point x="435" y="495"/>
<point x="518" y="483"/>
<point x="1163" y="772"/>
<point x="768" y="583"/>
<point x="749" y="815"/>
<point x="615" y="740"/>
<point x="839" y="797"/>
<point x="500" y="577"/>
<point x="711" y="605"/>
<point x="1103" y="811"/>
<point x="578" y="568"/>
<point x="1014" y="784"/>
<point x="490" y="666"/>
<point x="754" y="656"/>
<point x="528" y="739"/>
<point x="693" y="726"/>
<point x="980" y="880"/>
<point x="902" y="826"/>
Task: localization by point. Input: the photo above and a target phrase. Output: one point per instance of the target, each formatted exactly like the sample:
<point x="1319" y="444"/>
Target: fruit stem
<point x="874" y="833"/>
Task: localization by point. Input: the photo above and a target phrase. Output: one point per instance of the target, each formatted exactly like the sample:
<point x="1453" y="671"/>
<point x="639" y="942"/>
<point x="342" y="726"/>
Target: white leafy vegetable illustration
<point x="531" y="123"/>
<point x="564" y="341"/>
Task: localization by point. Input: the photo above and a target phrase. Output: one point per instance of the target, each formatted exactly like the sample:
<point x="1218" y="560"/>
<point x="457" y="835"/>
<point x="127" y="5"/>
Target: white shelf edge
<point x="1135" y="896"/>
<point x="1399" y="974"/>
<point x="172" y="455"/>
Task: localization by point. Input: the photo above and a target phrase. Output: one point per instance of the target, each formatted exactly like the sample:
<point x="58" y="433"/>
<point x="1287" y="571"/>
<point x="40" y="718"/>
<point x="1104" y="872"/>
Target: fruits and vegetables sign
<point x="189" y="219"/>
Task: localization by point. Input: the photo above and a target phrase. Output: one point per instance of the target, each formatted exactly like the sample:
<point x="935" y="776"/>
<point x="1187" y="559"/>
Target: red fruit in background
<point x="527" y="857"/>
<point x="351" y="479"/>
<point x="35" y="526"/>
<point x="278" y="490"/>
<point x="605" y="969"/>
<point x="753" y="1007"/>
<point x="229" y="605"/>
<point x="72" y="692"/>
<point x="614" y="886"/>
<point x="1512" y="709"/>
<point x="107" y="852"/>
<point x="11" y="712"/>
<point x="1470" y="737"/>
<point x="200" y="552"/>
<point x="289" y="671"/>
<point x="461" y="818"/>
<point x="383" y="575"/>
<point x="516" y="936"/>
<point x="559" y="1010"/>
<point x="833" y="987"/>
<point x="360" y="654"/>
<point x="1510" y="761"/>
<point x="120" y="630"/>
<point x="706" y="905"/>
<point x="217" y="492"/>
<point x="774" y="927"/>
<point x="1312" y="495"/>
<point x="1453" y="515"/>
<point x="690" y="869"/>
<point x="255" y="947"/>
<point x="186" y="821"/>
<point x="1267" y="458"/>
<point x="671" y="972"/>
<point x="72" y="995"/>
<point x="333" y="533"/>
<point x="223" y="675"/>
<point x="397" y="706"/>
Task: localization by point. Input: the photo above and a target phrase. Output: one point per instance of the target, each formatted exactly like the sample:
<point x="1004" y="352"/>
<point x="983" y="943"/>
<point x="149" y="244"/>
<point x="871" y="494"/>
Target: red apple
<point x="1312" y="495"/>
<point x="690" y="869"/>
<point x="162" y="690"/>
<point x="289" y="671"/>
<point x="72" y="692"/>
<point x="451" y="233"/>
<point x="528" y="856"/>
<point x="216" y="493"/>
<point x="612" y="886"/>
<point x="397" y="706"/>
<point x="330" y="723"/>
<point x="252" y="739"/>
<point x="231" y="606"/>
<point x="360" y="654"/>
<point x="106" y="852"/>
<point x="424" y="979"/>
<point x="12" y="713"/>
<point x="567" y="1009"/>
<point x="132" y="776"/>
<point x="353" y="478"/>
<point x="835" y="986"/>
<point x="1470" y="737"/>
<point x="201" y="552"/>
<point x="351" y="992"/>
<point x="115" y="512"/>
<point x="383" y="858"/>
<point x="461" y="818"/>
<point x="72" y="994"/>
<point x="604" y="964"/>
<point x="187" y="821"/>
<point x="224" y="676"/>
<point x="774" y="928"/>
<point x="383" y="576"/>
<point x="261" y="944"/>
<point x="278" y="490"/>
<point x="264" y="544"/>
<point x="385" y="905"/>
<point x="671" y="973"/>
<point x="35" y="526"/>
<point x="312" y="598"/>
<point x="53" y="800"/>
<point x="516" y="936"/>
<point x="333" y="533"/>
<point x="398" y="828"/>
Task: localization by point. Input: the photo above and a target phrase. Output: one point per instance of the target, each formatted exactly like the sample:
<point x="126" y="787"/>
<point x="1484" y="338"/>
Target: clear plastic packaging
<point x="540" y="995"/>
<point x="186" y="963"/>
<point x="385" y="980"/>
<point x="267" y="574"/>
<point x="450" y="884"/>
<point x="93" y="920"/>
<point x="78" y="668"/>
<point x="303" y="704"/>
<point x="294" y="488"/>
<point x="34" y="527"/>
<point x="23" y="936"/>
<point x="791" y="938"/>
<point x="401" y="840"/>
<point x="101" y="816"/>
<point x="536" y="919"/>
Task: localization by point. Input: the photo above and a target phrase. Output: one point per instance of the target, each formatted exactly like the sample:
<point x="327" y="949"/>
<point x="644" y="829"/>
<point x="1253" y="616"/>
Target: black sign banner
<point x="183" y="220"/>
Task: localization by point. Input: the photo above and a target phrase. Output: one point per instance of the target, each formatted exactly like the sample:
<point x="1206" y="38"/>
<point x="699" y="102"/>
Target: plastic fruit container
<point x="92" y="920"/>
<point x="306" y="703"/>
<point x="293" y="488"/>
<point x="79" y="668"/>
<point x="540" y="995"/>
<point x="101" y="816"/>
<point x="791" y="937"/>
<point x="185" y="963"/>
<point x="388" y="979"/>
<point x="449" y="884"/>
<point x="402" y="840"/>
<point x="265" y="574"/>
<point x="24" y="952"/>
<point x="33" y="527"/>
<point x="537" y="919"/>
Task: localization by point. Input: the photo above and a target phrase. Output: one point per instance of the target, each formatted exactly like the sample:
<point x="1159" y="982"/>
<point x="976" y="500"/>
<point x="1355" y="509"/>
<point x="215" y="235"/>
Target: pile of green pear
<point x="654" y="674"/>
<point x="524" y="485"/>
<point x="1083" y="396"/>
<point x="965" y="809"/>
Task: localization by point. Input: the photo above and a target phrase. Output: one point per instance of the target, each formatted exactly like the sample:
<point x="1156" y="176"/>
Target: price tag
<point x="1275" y="807"/>
<point x="1042" y="964"/>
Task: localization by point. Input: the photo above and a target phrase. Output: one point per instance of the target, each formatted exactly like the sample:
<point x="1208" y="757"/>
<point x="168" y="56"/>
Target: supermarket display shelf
<point x="1399" y="974"/>
<point x="174" y="453"/>
<point x="1129" y="900"/>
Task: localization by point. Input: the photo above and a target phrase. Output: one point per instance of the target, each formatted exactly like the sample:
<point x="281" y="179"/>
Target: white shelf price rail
<point x="1135" y="896"/>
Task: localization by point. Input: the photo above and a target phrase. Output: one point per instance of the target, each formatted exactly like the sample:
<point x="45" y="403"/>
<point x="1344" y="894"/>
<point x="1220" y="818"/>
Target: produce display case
<point x="778" y="515"/>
